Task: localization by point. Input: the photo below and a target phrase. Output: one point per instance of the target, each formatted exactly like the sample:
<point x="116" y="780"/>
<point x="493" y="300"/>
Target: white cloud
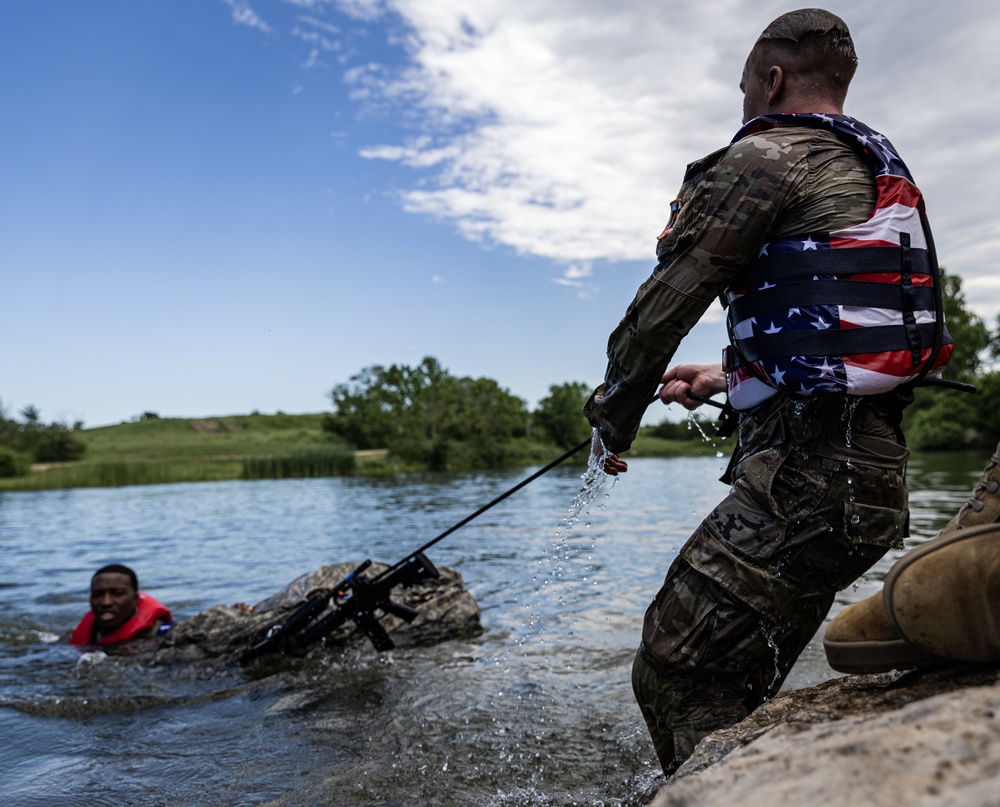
<point x="360" y="9"/>
<point x="317" y="40"/>
<point x="244" y="15"/>
<point x="561" y="128"/>
<point x="545" y="121"/>
<point x="320" y="24"/>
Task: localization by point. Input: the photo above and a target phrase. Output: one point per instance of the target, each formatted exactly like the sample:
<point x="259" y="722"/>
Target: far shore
<point x="173" y="450"/>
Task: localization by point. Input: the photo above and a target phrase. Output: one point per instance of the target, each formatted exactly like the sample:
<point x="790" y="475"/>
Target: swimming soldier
<point x="119" y="612"/>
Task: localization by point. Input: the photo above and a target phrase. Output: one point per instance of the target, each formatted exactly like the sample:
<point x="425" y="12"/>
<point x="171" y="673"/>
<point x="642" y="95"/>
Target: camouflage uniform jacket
<point x="766" y="186"/>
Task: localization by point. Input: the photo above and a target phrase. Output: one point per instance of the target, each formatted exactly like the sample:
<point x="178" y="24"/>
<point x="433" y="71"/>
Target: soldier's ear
<point x="775" y="84"/>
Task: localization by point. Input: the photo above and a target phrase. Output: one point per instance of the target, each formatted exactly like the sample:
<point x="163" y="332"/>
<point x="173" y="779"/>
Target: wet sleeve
<point x="730" y="202"/>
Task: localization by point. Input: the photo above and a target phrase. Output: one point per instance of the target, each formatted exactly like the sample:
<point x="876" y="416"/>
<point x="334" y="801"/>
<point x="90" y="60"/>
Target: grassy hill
<point x="160" y="450"/>
<point x="215" y="438"/>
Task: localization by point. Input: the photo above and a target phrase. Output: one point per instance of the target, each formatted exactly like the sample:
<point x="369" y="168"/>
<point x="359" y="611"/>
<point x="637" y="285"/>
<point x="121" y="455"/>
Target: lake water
<point x="536" y="710"/>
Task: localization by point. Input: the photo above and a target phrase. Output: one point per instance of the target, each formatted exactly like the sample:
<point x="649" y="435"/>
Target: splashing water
<point x="592" y="482"/>
<point x="772" y="641"/>
<point x="693" y="421"/>
<point x="850" y="407"/>
<point x="560" y="567"/>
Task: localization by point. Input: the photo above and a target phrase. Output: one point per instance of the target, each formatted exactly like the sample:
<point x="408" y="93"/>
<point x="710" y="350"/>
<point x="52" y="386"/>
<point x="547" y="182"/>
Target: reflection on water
<point x="535" y="710"/>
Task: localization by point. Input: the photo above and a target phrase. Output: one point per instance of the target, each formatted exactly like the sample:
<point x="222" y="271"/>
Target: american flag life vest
<point x="856" y="311"/>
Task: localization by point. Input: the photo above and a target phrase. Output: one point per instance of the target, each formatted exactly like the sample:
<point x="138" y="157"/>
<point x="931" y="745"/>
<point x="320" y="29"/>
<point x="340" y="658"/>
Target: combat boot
<point x="944" y="596"/>
<point x="983" y="506"/>
<point x="940" y="604"/>
<point x="862" y="639"/>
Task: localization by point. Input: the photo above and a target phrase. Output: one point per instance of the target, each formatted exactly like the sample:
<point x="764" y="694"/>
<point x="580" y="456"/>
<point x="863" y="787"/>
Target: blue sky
<point x="212" y="207"/>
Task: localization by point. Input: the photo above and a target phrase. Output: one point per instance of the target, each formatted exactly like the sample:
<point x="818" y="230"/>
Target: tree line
<point x="941" y="419"/>
<point x="425" y="415"/>
<point x="29" y="440"/>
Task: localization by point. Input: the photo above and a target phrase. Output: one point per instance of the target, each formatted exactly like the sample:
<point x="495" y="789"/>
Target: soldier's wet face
<point x="113" y="600"/>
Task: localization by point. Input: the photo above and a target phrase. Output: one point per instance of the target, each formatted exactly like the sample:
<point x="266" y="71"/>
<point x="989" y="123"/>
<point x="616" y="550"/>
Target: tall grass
<point x="119" y="474"/>
<point x="327" y="461"/>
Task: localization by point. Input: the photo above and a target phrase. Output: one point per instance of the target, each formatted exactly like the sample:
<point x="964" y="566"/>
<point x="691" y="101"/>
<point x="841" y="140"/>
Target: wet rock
<point x="917" y="738"/>
<point x="445" y="608"/>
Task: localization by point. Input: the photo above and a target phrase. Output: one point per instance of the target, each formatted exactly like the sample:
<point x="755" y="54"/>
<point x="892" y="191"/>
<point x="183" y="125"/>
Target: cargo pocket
<point x="680" y="622"/>
<point x="781" y="485"/>
<point x="870" y="531"/>
<point x="875" y="526"/>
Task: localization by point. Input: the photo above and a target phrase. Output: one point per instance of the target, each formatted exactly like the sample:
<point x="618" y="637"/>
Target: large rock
<point x="899" y="738"/>
<point x="445" y="608"/>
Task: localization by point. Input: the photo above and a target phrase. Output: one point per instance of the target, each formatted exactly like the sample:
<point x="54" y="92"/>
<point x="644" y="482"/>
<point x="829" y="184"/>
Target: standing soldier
<point x="810" y="229"/>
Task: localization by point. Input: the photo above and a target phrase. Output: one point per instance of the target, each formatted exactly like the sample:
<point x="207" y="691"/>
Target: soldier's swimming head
<point x="114" y="596"/>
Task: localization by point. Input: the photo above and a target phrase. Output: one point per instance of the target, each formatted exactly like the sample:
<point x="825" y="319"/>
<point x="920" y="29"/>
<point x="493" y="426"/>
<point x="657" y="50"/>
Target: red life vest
<point x="147" y="613"/>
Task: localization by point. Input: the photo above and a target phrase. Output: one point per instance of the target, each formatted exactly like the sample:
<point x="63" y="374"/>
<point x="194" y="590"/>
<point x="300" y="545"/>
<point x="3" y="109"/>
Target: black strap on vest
<point x="833" y="342"/>
<point x="840" y="262"/>
<point x="834" y="292"/>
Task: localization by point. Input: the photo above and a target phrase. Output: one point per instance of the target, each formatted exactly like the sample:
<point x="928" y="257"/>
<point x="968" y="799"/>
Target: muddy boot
<point x="944" y="596"/>
<point x="862" y="639"/>
<point x="983" y="506"/>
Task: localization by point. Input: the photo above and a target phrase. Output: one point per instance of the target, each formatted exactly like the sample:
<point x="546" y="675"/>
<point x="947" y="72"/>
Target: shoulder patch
<point x="675" y="209"/>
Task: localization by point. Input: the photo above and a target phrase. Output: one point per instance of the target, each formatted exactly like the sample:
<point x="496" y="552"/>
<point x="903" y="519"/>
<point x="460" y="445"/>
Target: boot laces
<point x="984" y="485"/>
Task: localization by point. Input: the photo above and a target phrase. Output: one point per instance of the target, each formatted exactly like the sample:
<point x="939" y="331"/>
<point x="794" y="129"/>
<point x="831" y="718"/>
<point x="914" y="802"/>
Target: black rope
<point x="575" y="450"/>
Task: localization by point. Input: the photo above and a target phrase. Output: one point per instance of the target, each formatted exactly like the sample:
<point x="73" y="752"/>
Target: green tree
<point x="685" y="429"/>
<point x="422" y="413"/>
<point x="971" y="335"/>
<point x="362" y="409"/>
<point x="941" y="419"/>
<point x="559" y="416"/>
<point x="32" y="417"/>
<point x="56" y="442"/>
<point x="43" y="442"/>
<point x="13" y="463"/>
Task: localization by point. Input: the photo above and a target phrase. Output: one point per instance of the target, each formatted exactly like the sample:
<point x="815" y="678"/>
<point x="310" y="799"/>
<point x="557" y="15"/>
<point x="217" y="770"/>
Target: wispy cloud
<point x="544" y="122"/>
<point x="244" y="15"/>
<point x="566" y="125"/>
<point x="360" y="9"/>
<point x="561" y="128"/>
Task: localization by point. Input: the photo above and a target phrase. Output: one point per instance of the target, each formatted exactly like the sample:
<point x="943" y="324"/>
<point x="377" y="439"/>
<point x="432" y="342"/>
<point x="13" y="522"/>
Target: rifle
<point x="357" y="597"/>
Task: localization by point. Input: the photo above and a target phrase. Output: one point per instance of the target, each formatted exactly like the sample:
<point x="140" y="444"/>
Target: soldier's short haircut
<point x="117" y="568"/>
<point x="813" y="45"/>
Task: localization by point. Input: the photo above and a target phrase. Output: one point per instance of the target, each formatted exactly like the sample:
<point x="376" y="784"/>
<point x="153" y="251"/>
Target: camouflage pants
<point x="818" y="495"/>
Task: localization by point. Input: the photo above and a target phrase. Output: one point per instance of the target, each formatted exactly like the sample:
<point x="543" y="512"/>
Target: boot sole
<point x="862" y="658"/>
<point x="960" y="618"/>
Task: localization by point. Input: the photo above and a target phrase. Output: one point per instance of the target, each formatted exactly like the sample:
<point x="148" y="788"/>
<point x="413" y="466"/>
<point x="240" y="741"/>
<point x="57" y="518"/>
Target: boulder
<point x="445" y="608"/>
<point x="922" y="737"/>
